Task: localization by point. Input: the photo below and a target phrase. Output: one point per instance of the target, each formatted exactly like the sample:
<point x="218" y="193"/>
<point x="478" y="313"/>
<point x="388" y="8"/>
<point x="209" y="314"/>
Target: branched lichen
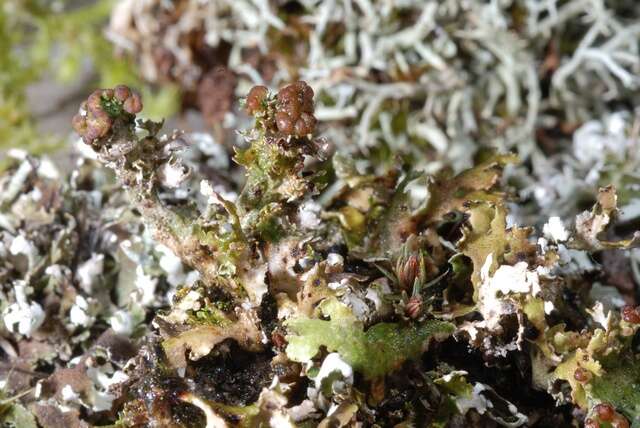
<point x="377" y="255"/>
<point x="511" y="283"/>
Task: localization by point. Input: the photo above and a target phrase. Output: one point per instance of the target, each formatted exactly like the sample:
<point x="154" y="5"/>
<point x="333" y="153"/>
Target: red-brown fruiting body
<point x="604" y="411"/>
<point x="122" y="92"/>
<point x="255" y="99"/>
<point x="278" y="339"/>
<point x="79" y="124"/>
<point x="582" y="375"/>
<point x="97" y="115"/>
<point x="631" y="315"/>
<point x="133" y="104"/>
<point x="619" y="421"/>
<point x="294" y="110"/>
<point x="591" y="423"/>
<point x="305" y="124"/>
<point x="284" y="123"/>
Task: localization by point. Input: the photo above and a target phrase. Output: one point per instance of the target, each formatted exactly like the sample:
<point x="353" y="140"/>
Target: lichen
<point x="420" y="214"/>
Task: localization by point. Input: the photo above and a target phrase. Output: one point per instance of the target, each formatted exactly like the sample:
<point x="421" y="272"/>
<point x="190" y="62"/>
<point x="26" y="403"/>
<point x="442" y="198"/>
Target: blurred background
<point x="428" y="83"/>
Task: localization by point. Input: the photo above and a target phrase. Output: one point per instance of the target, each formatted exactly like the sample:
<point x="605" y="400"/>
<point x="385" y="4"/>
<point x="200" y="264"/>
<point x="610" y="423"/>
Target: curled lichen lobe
<point x="294" y="110"/>
<point x="97" y="114"/>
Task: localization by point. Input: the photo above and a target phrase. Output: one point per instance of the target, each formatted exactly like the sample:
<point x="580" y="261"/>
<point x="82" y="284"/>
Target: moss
<point x="112" y="106"/>
<point x="620" y="386"/>
<point x="210" y="315"/>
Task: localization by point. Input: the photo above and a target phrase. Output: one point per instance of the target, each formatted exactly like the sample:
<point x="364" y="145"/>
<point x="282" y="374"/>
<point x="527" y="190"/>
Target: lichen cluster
<point x="51" y="52"/>
<point x="401" y="213"/>
<point x="96" y="116"/>
<point x="313" y="293"/>
<point x="431" y="81"/>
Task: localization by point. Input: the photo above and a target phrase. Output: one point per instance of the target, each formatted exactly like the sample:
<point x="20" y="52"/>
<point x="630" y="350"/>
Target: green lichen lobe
<point x="378" y="351"/>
